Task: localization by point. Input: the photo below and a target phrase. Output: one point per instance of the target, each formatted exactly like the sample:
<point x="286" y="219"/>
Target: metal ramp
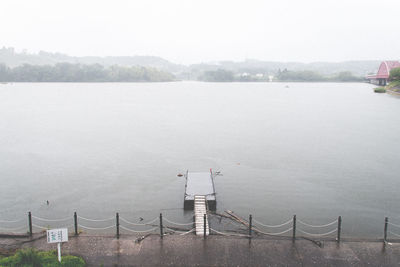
<point x="199" y="210"/>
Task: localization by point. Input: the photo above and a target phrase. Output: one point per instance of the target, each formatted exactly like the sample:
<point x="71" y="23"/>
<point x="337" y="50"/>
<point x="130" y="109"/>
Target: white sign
<point x="57" y="235"/>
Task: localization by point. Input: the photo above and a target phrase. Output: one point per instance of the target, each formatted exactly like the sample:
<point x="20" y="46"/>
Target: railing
<point x="77" y="222"/>
<point x="323" y="227"/>
<point x="386" y="230"/>
<point x="288" y="228"/>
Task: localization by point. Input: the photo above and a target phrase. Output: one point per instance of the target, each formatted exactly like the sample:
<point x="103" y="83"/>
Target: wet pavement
<point x="191" y="250"/>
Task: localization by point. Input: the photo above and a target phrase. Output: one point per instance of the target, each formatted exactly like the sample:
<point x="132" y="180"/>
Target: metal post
<point x="205" y="225"/>
<point x="250" y="224"/>
<point x="294" y="227"/>
<point x="339" y="228"/>
<point x="385" y="230"/>
<point x="117" y="222"/>
<point x="161" y="226"/>
<point x="30" y="223"/>
<point x="76" y="223"/>
<point x="59" y="251"/>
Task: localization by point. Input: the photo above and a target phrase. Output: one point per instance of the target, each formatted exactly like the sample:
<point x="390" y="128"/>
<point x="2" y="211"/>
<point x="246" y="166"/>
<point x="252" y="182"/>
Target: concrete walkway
<point x="192" y="250"/>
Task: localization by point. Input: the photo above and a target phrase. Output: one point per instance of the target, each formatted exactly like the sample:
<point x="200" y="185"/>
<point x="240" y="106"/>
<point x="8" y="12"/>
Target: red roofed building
<point x="382" y="76"/>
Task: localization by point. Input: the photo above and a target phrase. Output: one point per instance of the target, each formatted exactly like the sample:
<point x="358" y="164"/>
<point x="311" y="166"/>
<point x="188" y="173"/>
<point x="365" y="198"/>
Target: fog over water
<point x="318" y="150"/>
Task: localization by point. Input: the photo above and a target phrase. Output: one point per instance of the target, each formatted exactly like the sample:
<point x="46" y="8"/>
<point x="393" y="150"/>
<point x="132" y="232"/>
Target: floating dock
<point x="200" y="184"/>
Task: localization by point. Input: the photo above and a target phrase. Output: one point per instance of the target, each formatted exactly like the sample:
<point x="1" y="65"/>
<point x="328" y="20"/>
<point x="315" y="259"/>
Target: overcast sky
<point x="186" y="31"/>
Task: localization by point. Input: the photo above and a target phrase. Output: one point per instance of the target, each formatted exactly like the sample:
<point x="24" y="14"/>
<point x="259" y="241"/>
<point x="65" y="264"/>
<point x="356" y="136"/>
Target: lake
<point x="317" y="150"/>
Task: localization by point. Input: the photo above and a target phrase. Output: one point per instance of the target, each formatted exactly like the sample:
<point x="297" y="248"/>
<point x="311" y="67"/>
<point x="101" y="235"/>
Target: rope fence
<point x="36" y="223"/>
<point x="10" y="226"/>
<point x="293" y="228"/>
<point x="14" y="221"/>
<point x="274" y="234"/>
<point x="318" y="226"/>
<point x="96" y="228"/>
<point x="188" y="232"/>
<point x="273" y="226"/>
<point x="395" y="225"/>
<point x="96" y="220"/>
<point x="385" y="231"/>
<point x="337" y="222"/>
<point x="181" y="224"/>
<point x="397" y="235"/>
<point x="52" y="220"/>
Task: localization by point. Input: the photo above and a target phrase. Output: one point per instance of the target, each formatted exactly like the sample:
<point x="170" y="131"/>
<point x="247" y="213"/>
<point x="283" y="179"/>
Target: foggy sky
<point x="186" y="31"/>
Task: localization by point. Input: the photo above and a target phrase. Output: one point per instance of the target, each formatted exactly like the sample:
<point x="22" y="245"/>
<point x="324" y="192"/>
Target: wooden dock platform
<point x="199" y="184"/>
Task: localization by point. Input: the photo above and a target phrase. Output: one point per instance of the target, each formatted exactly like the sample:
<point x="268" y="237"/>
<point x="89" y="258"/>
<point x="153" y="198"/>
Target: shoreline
<point x="174" y="81"/>
<point x="393" y="92"/>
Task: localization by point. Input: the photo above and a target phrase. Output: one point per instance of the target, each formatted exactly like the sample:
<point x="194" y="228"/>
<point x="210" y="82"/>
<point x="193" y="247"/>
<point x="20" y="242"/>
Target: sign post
<point x="57" y="236"/>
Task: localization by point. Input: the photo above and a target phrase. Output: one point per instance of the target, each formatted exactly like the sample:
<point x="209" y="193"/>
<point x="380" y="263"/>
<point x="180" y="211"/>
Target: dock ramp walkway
<point x="200" y="208"/>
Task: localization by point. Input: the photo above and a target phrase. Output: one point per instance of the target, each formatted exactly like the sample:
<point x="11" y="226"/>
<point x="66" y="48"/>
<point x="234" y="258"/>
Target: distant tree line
<point x="394" y="78"/>
<point x="222" y="75"/>
<point x="67" y="72"/>
<point x="219" y="75"/>
<point x="311" y="76"/>
<point x="394" y="74"/>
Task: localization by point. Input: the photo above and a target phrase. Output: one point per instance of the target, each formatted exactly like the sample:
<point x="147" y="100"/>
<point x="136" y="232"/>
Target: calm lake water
<point x="318" y="150"/>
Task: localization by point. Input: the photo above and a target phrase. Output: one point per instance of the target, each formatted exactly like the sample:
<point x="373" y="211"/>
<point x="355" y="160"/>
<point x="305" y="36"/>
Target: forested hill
<point x="66" y="72"/>
<point x="11" y="58"/>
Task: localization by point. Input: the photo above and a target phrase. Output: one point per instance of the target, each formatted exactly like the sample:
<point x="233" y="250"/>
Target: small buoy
<point x="47" y="202"/>
<point x="180" y="175"/>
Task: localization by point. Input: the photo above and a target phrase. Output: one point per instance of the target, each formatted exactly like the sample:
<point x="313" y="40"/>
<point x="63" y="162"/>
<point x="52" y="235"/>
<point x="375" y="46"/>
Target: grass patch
<point x="394" y="85"/>
<point x="380" y="90"/>
<point x="33" y="258"/>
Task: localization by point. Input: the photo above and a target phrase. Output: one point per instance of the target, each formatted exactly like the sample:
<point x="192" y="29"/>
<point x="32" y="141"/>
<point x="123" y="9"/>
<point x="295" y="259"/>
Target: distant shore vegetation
<point x="394" y="77"/>
<point x="394" y="74"/>
<point x="57" y="67"/>
<point x="222" y="75"/>
<point x="67" y="72"/>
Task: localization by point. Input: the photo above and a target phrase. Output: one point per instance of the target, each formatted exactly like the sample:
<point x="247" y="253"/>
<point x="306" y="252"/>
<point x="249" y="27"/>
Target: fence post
<point x="205" y="225"/>
<point x="30" y="223"/>
<point x="76" y="223"/>
<point x="250" y="224"/>
<point x="339" y="228"/>
<point x="294" y="227"/>
<point x="385" y="230"/>
<point x="161" y="226"/>
<point x="117" y="223"/>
